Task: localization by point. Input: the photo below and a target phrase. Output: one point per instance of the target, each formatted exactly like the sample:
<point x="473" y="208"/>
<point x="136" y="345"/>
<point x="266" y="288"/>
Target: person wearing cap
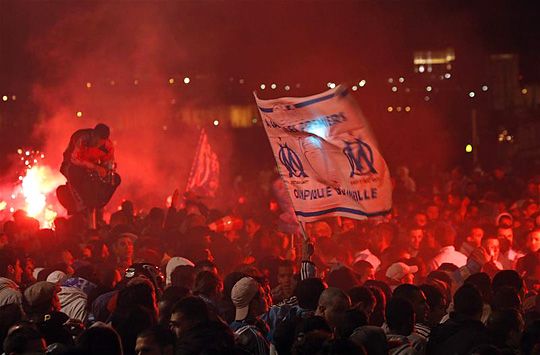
<point x="42" y="306"/>
<point x="400" y="273"/>
<point x="172" y="264"/>
<point x="248" y="298"/>
<point x="504" y="220"/>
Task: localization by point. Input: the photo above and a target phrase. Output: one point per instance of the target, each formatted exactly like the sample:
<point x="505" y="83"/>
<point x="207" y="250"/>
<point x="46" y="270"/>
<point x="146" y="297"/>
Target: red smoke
<point x="113" y="70"/>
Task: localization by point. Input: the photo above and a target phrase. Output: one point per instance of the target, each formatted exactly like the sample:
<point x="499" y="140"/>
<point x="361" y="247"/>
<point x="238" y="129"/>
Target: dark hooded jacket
<point x="458" y="335"/>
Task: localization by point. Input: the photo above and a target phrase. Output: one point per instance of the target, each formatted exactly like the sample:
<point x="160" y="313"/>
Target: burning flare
<point x="38" y="183"/>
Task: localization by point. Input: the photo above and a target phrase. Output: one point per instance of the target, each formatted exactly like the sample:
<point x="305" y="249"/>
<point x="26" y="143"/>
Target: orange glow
<point x="38" y="182"/>
<point x="434" y="57"/>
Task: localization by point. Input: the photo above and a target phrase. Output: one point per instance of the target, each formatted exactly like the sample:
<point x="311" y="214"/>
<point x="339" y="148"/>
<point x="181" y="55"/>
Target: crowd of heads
<point x="454" y="269"/>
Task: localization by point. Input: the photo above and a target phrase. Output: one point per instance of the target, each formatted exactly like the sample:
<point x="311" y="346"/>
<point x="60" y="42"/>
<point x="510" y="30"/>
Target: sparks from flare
<point x="35" y="191"/>
<point x="37" y="184"/>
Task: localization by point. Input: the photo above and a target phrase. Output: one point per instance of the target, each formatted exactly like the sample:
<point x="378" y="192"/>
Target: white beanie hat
<point x="173" y="264"/>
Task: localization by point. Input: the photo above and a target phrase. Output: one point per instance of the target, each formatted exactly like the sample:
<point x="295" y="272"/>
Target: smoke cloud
<point x="112" y="64"/>
<point x="111" y="61"/>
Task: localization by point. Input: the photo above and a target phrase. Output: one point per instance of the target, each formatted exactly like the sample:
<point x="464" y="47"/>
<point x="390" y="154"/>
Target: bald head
<point x="333" y="303"/>
<point x="321" y="229"/>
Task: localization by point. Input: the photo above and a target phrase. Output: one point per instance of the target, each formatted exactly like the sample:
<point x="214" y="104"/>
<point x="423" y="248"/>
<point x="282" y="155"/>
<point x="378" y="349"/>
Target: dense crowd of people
<point x="455" y="269"/>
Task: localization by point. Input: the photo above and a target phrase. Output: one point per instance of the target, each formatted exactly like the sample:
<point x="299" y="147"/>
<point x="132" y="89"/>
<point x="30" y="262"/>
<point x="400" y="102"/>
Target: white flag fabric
<point x="327" y="156"/>
<point x="203" y="179"/>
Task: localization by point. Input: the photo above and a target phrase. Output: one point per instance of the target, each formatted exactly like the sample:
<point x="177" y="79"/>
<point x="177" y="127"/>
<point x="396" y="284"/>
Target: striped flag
<point x="203" y="179"/>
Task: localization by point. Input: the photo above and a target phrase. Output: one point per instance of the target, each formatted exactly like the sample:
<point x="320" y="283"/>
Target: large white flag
<point x="327" y="156"/>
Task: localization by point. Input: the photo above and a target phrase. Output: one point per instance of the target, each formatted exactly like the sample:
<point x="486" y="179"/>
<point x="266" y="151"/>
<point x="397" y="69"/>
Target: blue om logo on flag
<point x="291" y="161"/>
<point x="360" y="156"/>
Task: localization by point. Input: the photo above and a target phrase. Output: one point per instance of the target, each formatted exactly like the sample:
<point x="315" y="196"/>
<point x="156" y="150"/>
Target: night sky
<point x="275" y="40"/>
<point x="49" y="49"/>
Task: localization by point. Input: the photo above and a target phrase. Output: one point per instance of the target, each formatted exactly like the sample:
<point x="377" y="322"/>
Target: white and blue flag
<point x="327" y="156"/>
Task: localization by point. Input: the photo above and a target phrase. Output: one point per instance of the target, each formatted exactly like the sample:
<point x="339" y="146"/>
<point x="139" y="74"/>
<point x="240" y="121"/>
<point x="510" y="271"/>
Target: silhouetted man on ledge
<point x="89" y="167"/>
